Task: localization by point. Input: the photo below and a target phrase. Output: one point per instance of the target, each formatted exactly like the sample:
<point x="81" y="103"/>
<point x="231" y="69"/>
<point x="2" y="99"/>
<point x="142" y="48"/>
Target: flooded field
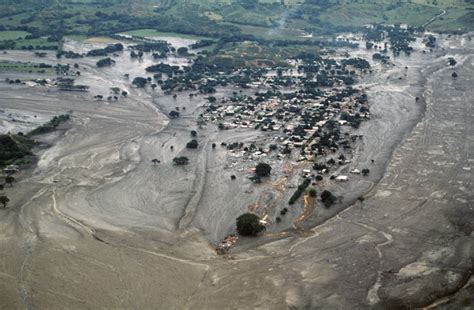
<point x="97" y="224"/>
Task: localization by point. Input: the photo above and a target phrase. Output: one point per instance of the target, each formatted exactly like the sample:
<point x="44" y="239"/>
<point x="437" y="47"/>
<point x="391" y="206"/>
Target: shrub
<point x="312" y="192"/>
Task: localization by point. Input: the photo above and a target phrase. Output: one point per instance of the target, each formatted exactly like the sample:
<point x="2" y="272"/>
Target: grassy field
<point x="360" y="14"/>
<point x="23" y="68"/>
<point x="24" y="43"/>
<point x="152" y="33"/>
<point x="12" y="35"/>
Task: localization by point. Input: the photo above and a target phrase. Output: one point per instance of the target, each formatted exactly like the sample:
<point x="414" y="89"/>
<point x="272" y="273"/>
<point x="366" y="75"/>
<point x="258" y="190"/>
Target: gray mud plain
<point x="95" y="225"/>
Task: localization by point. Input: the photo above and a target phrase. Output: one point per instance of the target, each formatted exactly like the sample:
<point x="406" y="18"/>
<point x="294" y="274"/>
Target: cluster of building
<point x="313" y="126"/>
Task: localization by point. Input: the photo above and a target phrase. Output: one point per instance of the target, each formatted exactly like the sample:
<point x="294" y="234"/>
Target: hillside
<point x="45" y="22"/>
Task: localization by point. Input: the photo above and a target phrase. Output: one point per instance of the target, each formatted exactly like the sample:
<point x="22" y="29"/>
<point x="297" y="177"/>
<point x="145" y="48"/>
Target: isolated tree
<point x="454" y="75"/>
<point x="312" y="192"/>
<point x="248" y="224"/>
<point x="328" y="198"/>
<point x="452" y="61"/>
<point x="105" y="62"/>
<point x="193" y="133"/>
<point x="9" y="180"/>
<point x="365" y="171"/>
<point x="139" y="82"/>
<point x="2" y="187"/>
<point x="4" y="200"/>
<point x="182" y="51"/>
<point x="173" y="114"/>
<point x="155" y="161"/>
<point x="263" y="170"/>
<point x="180" y="161"/>
<point x="193" y="144"/>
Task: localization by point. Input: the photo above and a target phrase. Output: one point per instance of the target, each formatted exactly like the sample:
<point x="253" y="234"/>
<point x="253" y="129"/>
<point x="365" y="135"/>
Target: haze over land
<point x="134" y="134"/>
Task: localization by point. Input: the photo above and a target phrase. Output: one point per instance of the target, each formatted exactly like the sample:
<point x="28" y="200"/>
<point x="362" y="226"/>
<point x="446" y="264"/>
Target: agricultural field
<point x="47" y="22"/>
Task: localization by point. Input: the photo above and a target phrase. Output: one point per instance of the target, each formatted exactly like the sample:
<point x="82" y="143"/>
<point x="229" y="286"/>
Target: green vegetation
<point x="105" y="62"/>
<point x="263" y="170"/>
<point x="193" y="144"/>
<point x="9" y="180"/>
<point x="49" y="126"/>
<point x="155" y="34"/>
<point x="299" y="191"/>
<point x="12" y="35"/>
<point x="181" y="161"/>
<point x="328" y="198"/>
<point x="248" y="224"/>
<point x="139" y="82"/>
<point x="4" y="201"/>
<point x="14" y="147"/>
<point x="25" y="67"/>
<point x="42" y="24"/>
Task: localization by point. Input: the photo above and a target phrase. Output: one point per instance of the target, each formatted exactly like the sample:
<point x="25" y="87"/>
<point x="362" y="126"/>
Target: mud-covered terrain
<point x="96" y="225"/>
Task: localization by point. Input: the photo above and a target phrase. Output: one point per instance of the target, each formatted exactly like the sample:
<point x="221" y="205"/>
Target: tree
<point x="263" y="170"/>
<point x="173" y="114"/>
<point x="2" y="187"/>
<point x="211" y="99"/>
<point x="454" y="75"/>
<point x="139" y="82"/>
<point x="312" y="192"/>
<point x="193" y="144"/>
<point x="365" y="171"/>
<point x="180" y="161"/>
<point x="182" y="51"/>
<point x="193" y="133"/>
<point x="452" y="61"/>
<point x="248" y="224"/>
<point x="105" y="62"/>
<point x="4" y="200"/>
<point x="155" y="161"/>
<point x="9" y="180"/>
<point x="327" y="198"/>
